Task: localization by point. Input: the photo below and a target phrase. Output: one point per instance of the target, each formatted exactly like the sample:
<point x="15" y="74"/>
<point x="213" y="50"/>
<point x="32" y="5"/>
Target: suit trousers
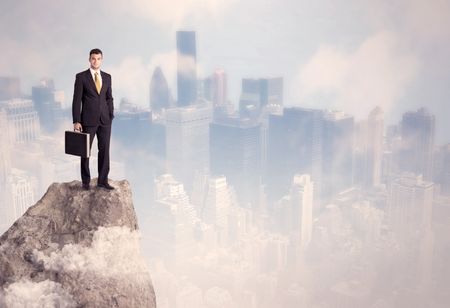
<point x="103" y="133"/>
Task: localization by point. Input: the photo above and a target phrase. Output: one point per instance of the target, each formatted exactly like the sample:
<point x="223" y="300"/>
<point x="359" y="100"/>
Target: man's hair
<point x="95" y="51"/>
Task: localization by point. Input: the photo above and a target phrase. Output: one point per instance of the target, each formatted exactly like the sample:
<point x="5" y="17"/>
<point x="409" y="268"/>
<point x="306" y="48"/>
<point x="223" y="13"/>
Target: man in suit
<point x="92" y="112"/>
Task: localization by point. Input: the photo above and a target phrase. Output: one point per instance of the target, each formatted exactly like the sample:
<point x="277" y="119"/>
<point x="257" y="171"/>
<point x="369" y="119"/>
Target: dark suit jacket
<point x="88" y="107"/>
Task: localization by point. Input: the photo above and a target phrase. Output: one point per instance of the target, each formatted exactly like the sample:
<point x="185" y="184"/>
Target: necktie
<point x="97" y="82"/>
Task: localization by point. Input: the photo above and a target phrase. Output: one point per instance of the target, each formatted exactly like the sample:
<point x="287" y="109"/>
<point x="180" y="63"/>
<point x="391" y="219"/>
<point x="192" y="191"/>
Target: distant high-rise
<point x="258" y="93"/>
<point x="133" y="126"/>
<point x="374" y="148"/>
<point x="187" y="141"/>
<point x="48" y="109"/>
<point x="219" y="88"/>
<point x="171" y="223"/>
<point x="410" y="201"/>
<point x="442" y="169"/>
<point x="302" y="203"/>
<point x="5" y="167"/>
<point x="218" y="202"/>
<point x="9" y="88"/>
<point x="186" y="68"/>
<point x="235" y="151"/>
<point x="294" y="146"/>
<point x="337" y="151"/>
<point x="23" y="187"/>
<point x="23" y="120"/>
<point x="159" y="91"/>
<point x="417" y="130"/>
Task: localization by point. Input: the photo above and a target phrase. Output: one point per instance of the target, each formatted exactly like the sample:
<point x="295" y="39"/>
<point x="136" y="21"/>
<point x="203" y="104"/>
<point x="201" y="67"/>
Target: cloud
<point x="110" y="246"/>
<point x="172" y="12"/>
<point x="17" y="59"/>
<point x="131" y="77"/>
<point x="25" y="293"/>
<point x="377" y="72"/>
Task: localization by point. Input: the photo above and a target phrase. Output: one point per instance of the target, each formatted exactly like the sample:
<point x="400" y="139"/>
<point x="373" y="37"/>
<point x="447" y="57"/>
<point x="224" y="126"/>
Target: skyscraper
<point x="294" y="146"/>
<point x="374" y="148"/>
<point x="417" y="130"/>
<point x="219" y="88"/>
<point x="337" y="151"/>
<point x="172" y="220"/>
<point x="23" y="120"/>
<point x="258" y="93"/>
<point x="186" y="68"/>
<point x="235" y="151"/>
<point x="48" y="109"/>
<point x="218" y="201"/>
<point x="302" y="203"/>
<point x="442" y="169"/>
<point x="9" y="88"/>
<point x="410" y="201"/>
<point x="160" y="97"/>
<point x="187" y="141"/>
<point x="5" y="169"/>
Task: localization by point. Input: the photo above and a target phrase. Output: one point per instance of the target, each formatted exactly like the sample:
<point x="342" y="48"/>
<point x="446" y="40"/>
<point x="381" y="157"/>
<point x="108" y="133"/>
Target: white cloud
<point x="131" y="77"/>
<point x="110" y="246"/>
<point x="172" y="12"/>
<point x="378" y="72"/>
<point x="44" y="294"/>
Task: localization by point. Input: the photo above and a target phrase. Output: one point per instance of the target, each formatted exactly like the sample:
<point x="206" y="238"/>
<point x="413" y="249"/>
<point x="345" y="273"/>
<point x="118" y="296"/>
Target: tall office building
<point x="187" y="141"/>
<point x="219" y="88"/>
<point x="442" y="169"/>
<point x="417" y="131"/>
<point x="23" y="120"/>
<point x="302" y="192"/>
<point x="294" y="146"/>
<point x="5" y="167"/>
<point x="160" y="97"/>
<point x="235" y="151"/>
<point x="214" y="89"/>
<point x="186" y="68"/>
<point x="47" y="107"/>
<point x="9" y="88"/>
<point x="337" y="153"/>
<point x="171" y="223"/>
<point x="217" y="205"/>
<point x="410" y="201"/>
<point x="374" y="148"/>
<point x="5" y="147"/>
<point x="23" y="187"/>
<point x="258" y="93"/>
<point x="133" y="127"/>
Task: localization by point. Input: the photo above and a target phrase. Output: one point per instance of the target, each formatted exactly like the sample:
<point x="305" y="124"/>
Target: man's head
<point x="95" y="58"/>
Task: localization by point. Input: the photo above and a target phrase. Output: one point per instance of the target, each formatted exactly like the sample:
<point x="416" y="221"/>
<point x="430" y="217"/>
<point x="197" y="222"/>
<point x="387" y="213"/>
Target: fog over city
<point x="280" y="153"/>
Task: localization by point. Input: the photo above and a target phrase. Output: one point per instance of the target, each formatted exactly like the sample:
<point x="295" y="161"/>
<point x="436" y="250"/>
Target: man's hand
<point x="77" y="126"/>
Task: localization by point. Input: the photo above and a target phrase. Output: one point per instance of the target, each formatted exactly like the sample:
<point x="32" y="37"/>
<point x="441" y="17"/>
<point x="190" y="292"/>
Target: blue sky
<point x="349" y="55"/>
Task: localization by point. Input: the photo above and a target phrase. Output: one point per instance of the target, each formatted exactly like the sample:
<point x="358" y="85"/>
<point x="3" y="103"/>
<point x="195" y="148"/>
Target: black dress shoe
<point x="86" y="186"/>
<point x="105" y="185"/>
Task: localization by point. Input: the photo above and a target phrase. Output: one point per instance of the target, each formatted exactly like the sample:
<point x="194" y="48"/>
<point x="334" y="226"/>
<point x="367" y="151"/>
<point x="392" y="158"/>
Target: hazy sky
<point x="349" y="55"/>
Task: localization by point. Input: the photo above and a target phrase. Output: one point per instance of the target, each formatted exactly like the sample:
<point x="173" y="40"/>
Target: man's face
<point x="95" y="60"/>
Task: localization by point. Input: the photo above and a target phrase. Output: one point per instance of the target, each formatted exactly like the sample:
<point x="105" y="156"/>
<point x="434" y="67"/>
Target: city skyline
<point x="328" y="50"/>
<point x="262" y="174"/>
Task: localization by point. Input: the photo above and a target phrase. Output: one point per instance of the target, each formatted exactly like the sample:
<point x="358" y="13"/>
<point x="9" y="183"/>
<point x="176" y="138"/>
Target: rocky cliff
<point x="76" y="248"/>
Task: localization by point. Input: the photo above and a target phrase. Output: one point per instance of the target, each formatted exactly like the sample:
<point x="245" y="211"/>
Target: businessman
<point x="93" y="112"/>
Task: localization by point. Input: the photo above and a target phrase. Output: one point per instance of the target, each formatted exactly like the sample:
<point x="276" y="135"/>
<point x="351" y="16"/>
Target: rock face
<point x="76" y="248"/>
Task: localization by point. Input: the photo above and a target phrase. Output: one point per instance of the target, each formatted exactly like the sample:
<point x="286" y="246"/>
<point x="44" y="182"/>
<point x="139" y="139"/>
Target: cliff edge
<point x="76" y="248"/>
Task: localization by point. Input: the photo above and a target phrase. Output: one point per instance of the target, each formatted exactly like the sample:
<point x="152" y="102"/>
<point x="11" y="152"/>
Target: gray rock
<point x="57" y="240"/>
